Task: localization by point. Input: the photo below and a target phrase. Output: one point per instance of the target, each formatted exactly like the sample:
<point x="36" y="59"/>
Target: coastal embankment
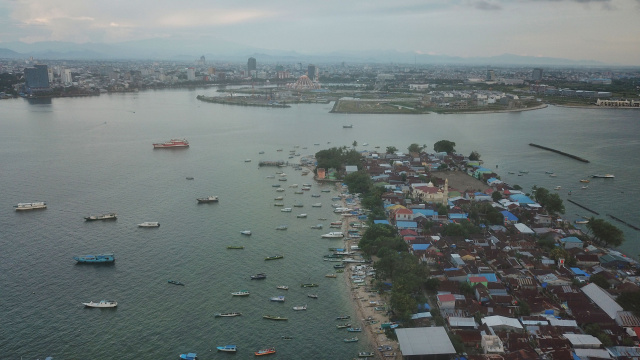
<point x="559" y="152"/>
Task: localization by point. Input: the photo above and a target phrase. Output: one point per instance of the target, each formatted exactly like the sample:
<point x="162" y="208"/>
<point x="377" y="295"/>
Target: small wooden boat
<point x="262" y="352"/>
<point x="353" y="339"/>
<point x="235" y="247"/>
<point x="298" y="308"/>
<point x="343" y="326"/>
<point x="343" y="317"/>
<point x="282" y="227"/>
<point x="354" y="329"/>
<point x="313" y="296"/>
<point x="284" y="337"/>
<point x="309" y="285"/>
<point x="273" y="317"/>
<point x="365" y="354"/>
<point x="175" y="282"/>
<point x="282" y="287"/>
<point x="331" y="276"/>
<point x="274" y="257"/>
<point x="227" y="348"/>
<point x="231" y="314"/>
<point x="241" y="293"/>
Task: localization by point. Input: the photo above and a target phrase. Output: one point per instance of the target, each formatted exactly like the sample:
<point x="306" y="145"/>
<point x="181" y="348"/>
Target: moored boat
<point x="333" y="235"/>
<point x="109" y="216"/>
<point x="331" y="276"/>
<point x="173" y="143"/>
<point x="354" y="329"/>
<point x="584" y="221"/>
<point x="301" y="216"/>
<point x="31" y="206"/>
<point x="298" y="308"/>
<point x="240" y="293"/>
<point x="189" y="356"/>
<point x="208" y="199"/>
<point x="281" y="227"/>
<point x="101" y="304"/>
<point x="274" y="257"/>
<point x="262" y="352"/>
<point x="584" y="180"/>
<point x="343" y="326"/>
<point x="227" y="348"/>
<point x="235" y="247"/>
<point x="363" y="354"/>
<point x="231" y="314"/>
<point x="316" y="205"/>
<point x="313" y="296"/>
<point x="605" y="176"/>
<point x="277" y="298"/>
<point x="282" y="287"/>
<point x="174" y="282"/>
<point x="309" y="285"/>
<point x="100" y="258"/>
<point x="273" y="317"/>
<point x="353" y="339"/>
<point x="343" y="317"/>
<point x="288" y="209"/>
<point x="245" y="232"/>
<point x="319" y="226"/>
<point x="259" y="276"/>
<point x="285" y="337"/>
<point x="149" y="224"/>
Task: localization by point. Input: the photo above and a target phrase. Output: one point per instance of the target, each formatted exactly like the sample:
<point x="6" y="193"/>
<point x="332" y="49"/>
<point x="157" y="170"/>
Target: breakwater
<point x="582" y="206"/>
<point x="624" y="222"/>
<point x="559" y="152"/>
<point x="272" y="163"/>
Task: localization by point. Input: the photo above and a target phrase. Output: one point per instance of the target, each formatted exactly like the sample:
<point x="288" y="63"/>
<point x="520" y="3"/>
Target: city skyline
<point x="598" y="30"/>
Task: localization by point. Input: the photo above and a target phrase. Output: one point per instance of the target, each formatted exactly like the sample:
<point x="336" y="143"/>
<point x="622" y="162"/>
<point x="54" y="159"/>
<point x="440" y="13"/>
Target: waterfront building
<point x="36" y="78"/>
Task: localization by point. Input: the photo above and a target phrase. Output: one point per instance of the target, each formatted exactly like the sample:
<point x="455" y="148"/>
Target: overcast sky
<point x="603" y="30"/>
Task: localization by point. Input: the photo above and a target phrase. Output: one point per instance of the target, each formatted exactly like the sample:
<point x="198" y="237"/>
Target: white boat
<point x="301" y="216"/>
<point x="280" y="189"/>
<point x="240" y="293"/>
<point x="101" y="304"/>
<point x="286" y="210"/>
<point x="557" y="187"/>
<point x="293" y="185"/>
<point x="605" y="176"/>
<point x="231" y="314"/>
<point x="298" y="308"/>
<point x="281" y="227"/>
<point x="333" y="235"/>
<point x="149" y="224"/>
<point x="245" y="232"/>
<point x="278" y="198"/>
<point x="31" y="206"/>
<point x="277" y="298"/>
<point x="207" y="199"/>
<point x="282" y="287"/>
<point x="247" y="160"/>
<point x="316" y="205"/>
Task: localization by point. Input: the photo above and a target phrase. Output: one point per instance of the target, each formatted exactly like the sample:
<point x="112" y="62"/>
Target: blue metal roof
<point x="425" y="212"/>
<point x="406" y="224"/>
<point x="522" y="199"/>
<point x="571" y="239"/>
<point x="420" y="246"/>
<point x="384" y="222"/>
<point x="509" y="216"/>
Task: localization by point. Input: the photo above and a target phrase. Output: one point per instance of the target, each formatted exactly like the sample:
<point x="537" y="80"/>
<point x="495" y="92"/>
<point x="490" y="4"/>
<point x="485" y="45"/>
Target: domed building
<point x="304" y="83"/>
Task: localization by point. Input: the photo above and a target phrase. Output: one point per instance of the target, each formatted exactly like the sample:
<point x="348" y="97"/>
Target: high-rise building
<point x="36" y="78"/>
<point x="251" y="64"/>
<point x="65" y="76"/>
<point x="312" y="72"/>
<point x="191" y="74"/>
<point x="491" y="75"/>
<point x="537" y="74"/>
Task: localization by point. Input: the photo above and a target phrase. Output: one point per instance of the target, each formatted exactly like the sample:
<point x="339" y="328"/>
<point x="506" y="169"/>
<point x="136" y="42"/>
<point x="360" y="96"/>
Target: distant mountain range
<point x="216" y="50"/>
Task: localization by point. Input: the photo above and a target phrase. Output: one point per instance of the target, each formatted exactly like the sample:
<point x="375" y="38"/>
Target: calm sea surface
<point x="93" y="155"/>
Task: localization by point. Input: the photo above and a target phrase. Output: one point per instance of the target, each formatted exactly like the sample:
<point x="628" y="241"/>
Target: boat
<point x="100" y="258"/>
<point x="262" y="352"/>
<point x="282" y="179"/>
<point x="109" y="216"/>
<point x="552" y="175"/>
<point x="557" y="187"/>
<point x="260" y="276"/>
<point x="339" y="222"/>
<point x="275" y="185"/>
<point x="338" y="266"/>
<point x="189" y="356"/>
<point x="282" y="287"/>
<point x="343" y="326"/>
<point x="584" y="180"/>
<point x="319" y="226"/>
<point x="240" y="293"/>
<point x="343" y="317"/>
<point x="149" y="224"/>
<point x="298" y="308"/>
<point x="313" y="296"/>
<point x="31" y="206"/>
<point x="231" y="314"/>
<point x="390" y="355"/>
<point x="347" y="126"/>
<point x="260" y="152"/>
<point x="175" y="282"/>
<point x="331" y="276"/>
<point x="247" y="160"/>
<point x="325" y="190"/>
<point x="584" y="221"/>
<point x="285" y="337"/>
<point x="277" y="298"/>
<point x="585" y="187"/>
<point x="278" y="204"/>
<point x="274" y="257"/>
<point x="245" y="232"/>
<point x="273" y="317"/>
<point x="280" y="189"/>
<point x="101" y="304"/>
<point x="353" y="339"/>
<point x="278" y="198"/>
<point x="271" y="176"/>
<point x="354" y="329"/>
<point x="298" y="205"/>
<point x="293" y="185"/>
<point x="281" y="227"/>
<point x="298" y="192"/>
<point x="286" y="210"/>
<point x="173" y="143"/>
<point x="227" y="348"/>
<point x="189" y="177"/>
<point x="309" y="285"/>
<point x="605" y="176"/>
<point x="207" y="199"/>
<point x="316" y="205"/>
<point x="333" y="235"/>
<point x="363" y="354"/>
<point x="302" y="216"/>
<point x="235" y="247"/>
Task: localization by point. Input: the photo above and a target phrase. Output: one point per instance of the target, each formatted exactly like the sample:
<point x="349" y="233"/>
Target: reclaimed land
<point x="559" y="152"/>
<point x="241" y="101"/>
<point x="413" y="107"/>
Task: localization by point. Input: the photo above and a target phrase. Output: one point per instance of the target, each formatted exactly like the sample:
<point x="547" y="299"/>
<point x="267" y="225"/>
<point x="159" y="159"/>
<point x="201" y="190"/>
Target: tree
<point x="392" y="149"/>
<point x="355" y="143"/>
<point x="414" y="148"/>
<point x="604" y="231"/>
<point x="551" y="202"/>
<point x="517" y="187"/>
<point x="630" y="301"/>
<point x="600" y="280"/>
<point x="358" y="182"/>
<point x="474" y="156"/>
<point x="444" y="146"/>
<point x="443" y="167"/>
<point x="496" y="196"/>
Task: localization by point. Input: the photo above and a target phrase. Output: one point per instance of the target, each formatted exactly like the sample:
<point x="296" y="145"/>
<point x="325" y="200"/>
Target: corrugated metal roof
<point x="602" y="299"/>
<point x="424" y="341"/>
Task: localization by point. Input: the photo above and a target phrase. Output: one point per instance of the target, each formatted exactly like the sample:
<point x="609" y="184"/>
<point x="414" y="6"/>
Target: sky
<point x="601" y="30"/>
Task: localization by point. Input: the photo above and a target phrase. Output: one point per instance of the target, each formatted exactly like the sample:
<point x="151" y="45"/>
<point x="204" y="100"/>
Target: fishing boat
<point x="339" y="222"/>
<point x="189" y="356"/>
<point x="331" y="276"/>
<point x="100" y="258"/>
<point x="343" y="317"/>
<point x="247" y="160"/>
<point x="288" y="209"/>
<point x="365" y="354"/>
<point x="149" y="224"/>
<point x="353" y="339"/>
<point x="262" y="352"/>
<point x="338" y="266"/>
<point x="274" y="257"/>
<point x="584" y="180"/>
<point x="281" y="227"/>
<point x="315" y="195"/>
<point x="298" y="192"/>
<point x="245" y="232"/>
<point x="584" y="221"/>
<point x="282" y="287"/>
<point x="302" y="216"/>
<point x="313" y="296"/>
<point x="277" y="298"/>
<point x="298" y="205"/>
<point x="101" y="304"/>
<point x="241" y="293"/>
<point x="278" y="198"/>
<point x="235" y="247"/>
<point x="325" y="190"/>
<point x="316" y="205"/>
<point x="285" y="337"/>
<point x="189" y="177"/>
<point x="298" y="308"/>
<point x="343" y="326"/>
<point x="605" y="176"/>
<point x="354" y="329"/>
<point x="317" y="227"/>
<point x="260" y="276"/>
<point x="347" y="126"/>
<point x="333" y="235"/>
<point x="175" y="282"/>
<point x="173" y="143"/>
<point x="273" y="317"/>
<point x="208" y="199"/>
<point x="227" y="348"/>
<point x="231" y="314"/>
<point x="309" y="285"/>
<point x="109" y="216"/>
<point x="280" y="189"/>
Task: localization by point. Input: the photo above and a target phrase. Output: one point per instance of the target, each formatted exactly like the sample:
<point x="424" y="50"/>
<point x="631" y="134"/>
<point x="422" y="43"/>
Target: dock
<point x="272" y="163"/>
<point x="559" y="152"/>
<point x="582" y="206"/>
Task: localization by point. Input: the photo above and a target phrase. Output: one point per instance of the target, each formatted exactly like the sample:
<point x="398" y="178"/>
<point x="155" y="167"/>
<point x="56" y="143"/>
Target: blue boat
<point x="227" y="348"/>
<point x="100" y="258"/>
<point x="189" y="356"/>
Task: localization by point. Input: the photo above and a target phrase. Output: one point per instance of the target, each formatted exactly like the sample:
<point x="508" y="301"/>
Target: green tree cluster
<point x="551" y="202"/>
<point x="474" y="156"/>
<point x="414" y="148"/>
<point x="337" y="158"/>
<point x="603" y="231"/>
<point x="444" y="146"/>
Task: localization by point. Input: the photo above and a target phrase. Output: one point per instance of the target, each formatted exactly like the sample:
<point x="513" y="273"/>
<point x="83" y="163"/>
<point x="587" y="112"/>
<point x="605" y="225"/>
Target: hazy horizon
<point x="595" y="30"/>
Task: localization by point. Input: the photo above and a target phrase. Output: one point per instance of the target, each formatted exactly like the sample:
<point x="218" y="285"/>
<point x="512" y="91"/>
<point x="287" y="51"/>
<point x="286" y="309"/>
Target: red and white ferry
<point x="173" y="143"/>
